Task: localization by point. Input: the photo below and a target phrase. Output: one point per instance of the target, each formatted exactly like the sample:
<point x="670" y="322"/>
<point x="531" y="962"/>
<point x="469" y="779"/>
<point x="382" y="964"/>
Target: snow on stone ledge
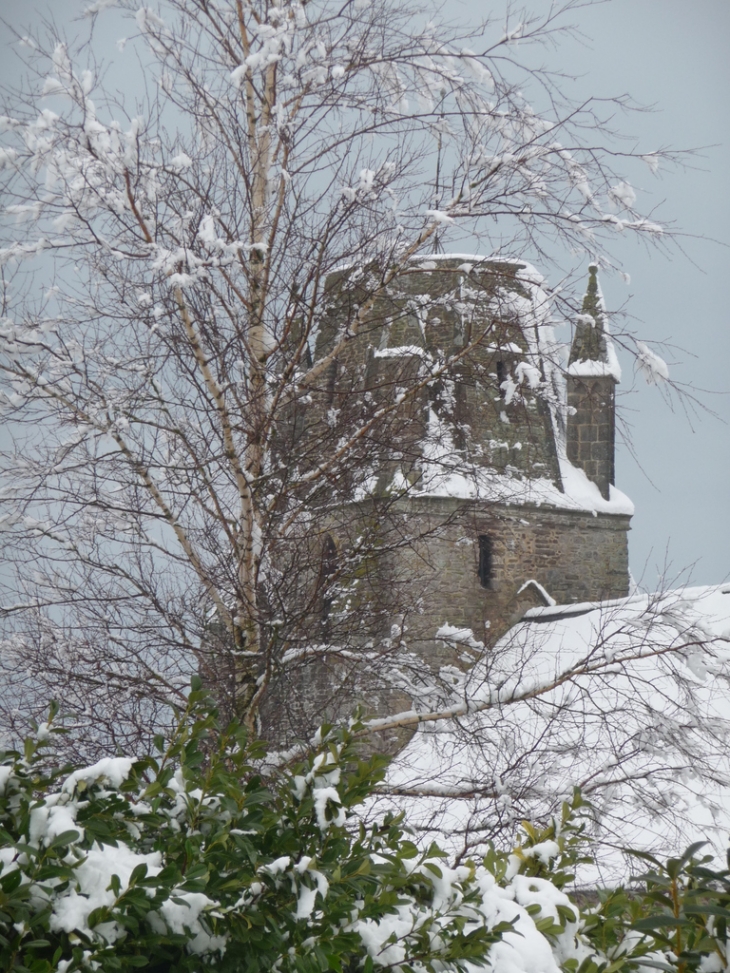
<point x="532" y="583"/>
<point x="480" y="484"/>
<point x="524" y="270"/>
<point x="596" y="369"/>
<point x="586" y="494"/>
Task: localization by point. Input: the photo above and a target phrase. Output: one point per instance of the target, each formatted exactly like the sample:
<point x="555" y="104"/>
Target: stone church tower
<point x="510" y="493"/>
<point x="498" y="481"/>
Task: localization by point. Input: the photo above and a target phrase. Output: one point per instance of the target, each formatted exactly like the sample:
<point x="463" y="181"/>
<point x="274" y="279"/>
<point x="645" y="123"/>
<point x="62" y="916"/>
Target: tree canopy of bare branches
<point x="165" y="278"/>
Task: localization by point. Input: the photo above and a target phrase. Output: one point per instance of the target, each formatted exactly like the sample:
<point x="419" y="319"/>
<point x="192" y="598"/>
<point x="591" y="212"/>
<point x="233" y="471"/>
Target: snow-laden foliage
<point x="188" y="860"/>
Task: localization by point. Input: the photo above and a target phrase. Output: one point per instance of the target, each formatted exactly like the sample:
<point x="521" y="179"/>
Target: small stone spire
<point x="593" y="373"/>
<point x="589" y="343"/>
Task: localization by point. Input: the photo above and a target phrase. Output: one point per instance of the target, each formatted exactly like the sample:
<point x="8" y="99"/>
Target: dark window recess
<point x="485" y="561"/>
<point x="331" y="374"/>
<point x="501" y="376"/>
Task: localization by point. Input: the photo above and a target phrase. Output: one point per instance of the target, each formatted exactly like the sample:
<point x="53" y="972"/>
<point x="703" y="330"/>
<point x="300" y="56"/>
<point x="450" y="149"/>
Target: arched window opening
<point x="485" y="561"/>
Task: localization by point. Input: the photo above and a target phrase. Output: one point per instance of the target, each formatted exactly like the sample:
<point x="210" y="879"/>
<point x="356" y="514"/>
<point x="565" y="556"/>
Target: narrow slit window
<point x="485" y="561"/>
<point x="501" y="376"/>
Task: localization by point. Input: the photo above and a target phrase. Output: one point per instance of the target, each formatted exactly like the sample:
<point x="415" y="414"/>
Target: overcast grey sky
<point x="671" y="54"/>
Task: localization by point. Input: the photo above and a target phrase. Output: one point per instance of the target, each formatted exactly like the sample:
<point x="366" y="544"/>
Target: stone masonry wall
<point x="591" y="428"/>
<point x="429" y="315"/>
<point x="430" y="562"/>
<point x="575" y="556"/>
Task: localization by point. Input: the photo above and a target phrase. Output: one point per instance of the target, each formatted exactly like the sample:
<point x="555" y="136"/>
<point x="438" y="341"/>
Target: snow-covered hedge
<point x="188" y="861"/>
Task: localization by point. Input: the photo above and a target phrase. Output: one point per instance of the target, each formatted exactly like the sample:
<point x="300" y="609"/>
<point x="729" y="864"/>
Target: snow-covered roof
<point x="628" y="699"/>
<point x="445" y="473"/>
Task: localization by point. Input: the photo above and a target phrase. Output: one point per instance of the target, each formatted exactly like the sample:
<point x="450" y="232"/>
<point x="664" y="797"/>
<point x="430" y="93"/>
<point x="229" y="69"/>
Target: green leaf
<point x="706" y="910"/>
<point x="139" y="872"/>
<point x="65" y="838"/>
<point x="658" y="922"/>
<point x="408" y="850"/>
<point x="434" y="869"/>
<point x="692" y="851"/>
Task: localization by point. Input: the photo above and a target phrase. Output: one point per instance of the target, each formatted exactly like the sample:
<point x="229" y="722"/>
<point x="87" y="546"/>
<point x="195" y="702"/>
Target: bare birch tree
<point x="164" y="289"/>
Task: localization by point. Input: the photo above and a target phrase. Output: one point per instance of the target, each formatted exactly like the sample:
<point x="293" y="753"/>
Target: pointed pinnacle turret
<point x="592" y="374"/>
<point x="589" y="343"/>
<point x="591" y="300"/>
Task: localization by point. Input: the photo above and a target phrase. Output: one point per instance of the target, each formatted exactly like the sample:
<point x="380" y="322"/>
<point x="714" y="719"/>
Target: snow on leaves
<point x="177" y="859"/>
